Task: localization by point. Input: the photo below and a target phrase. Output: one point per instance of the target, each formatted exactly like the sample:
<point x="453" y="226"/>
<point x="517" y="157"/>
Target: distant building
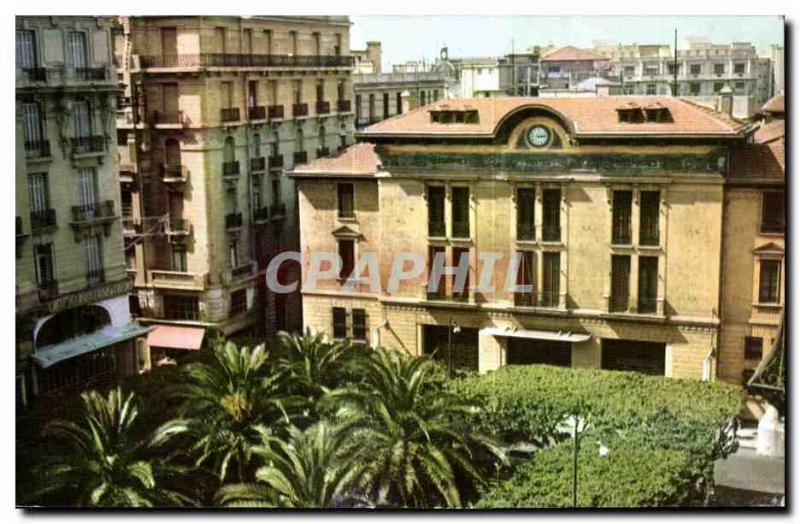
<point x="776" y="65"/>
<point x="383" y="95"/>
<point x="566" y="67"/>
<point x="477" y="77"/>
<point x="367" y="61"/>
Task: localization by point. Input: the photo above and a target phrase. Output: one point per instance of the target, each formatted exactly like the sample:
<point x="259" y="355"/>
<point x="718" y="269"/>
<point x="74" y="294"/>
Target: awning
<point x="176" y="337"/>
<point x="559" y="336"/>
<point x="49" y="355"/>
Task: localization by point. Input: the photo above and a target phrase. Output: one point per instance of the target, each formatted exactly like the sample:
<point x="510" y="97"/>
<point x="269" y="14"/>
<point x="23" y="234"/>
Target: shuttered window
<point x="648" y="218"/>
<point x="769" y="282"/>
<point x="76" y="50"/>
<point x="648" y="284"/>
<point x="621" y="217"/>
<point x="460" y="210"/>
<point x="38" y="192"/>
<point x="526" y="198"/>
<point x="436" y="211"/>
<point x="26" y="49"/>
<point x="551" y="215"/>
<point x="359" y="324"/>
<point x="339" y="322"/>
<point x="620" y="282"/>
<point x="551" y="279"/>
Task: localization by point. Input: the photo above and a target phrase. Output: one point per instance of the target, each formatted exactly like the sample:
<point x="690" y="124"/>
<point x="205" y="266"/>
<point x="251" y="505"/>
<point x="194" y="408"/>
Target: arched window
<point x="172" y="152"/>
<point x="230" y="150"/>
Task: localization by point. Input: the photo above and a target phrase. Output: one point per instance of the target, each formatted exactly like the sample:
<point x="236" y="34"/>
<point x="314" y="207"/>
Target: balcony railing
<point x="323" y="107"/>
<point x="233" y="220"/>
<point x="524" y="299"/>
<point x="95" y="277"/>
<point x="93" y="212"/>
<point x="323" y="151"/>
<point x="176" y="279"/>
<point x="277" y="210"/>
<point x="261" y="214"/>
<point x="178" y="226"/>
<point x="43" y="219"/>
<point x="257" y="113"/>
<point x="37" y="148"/>
<point x="89" y="73"/>
<point x="35" y="74"/>
<point x="300" y="109"/>
<point x="300" y="157"/>
<point x="275" y="111"/>
<point x="171" y="174"/>
<point x="229" y="114"/>
<point x="167" y="117"/>
<point x="245" y="60"/>
<point x="344" y="106"/>
<point x="87" y="144"/>
<point x="230" y="168"/>
<point x="275" y="162"/>
<point x="243" y="271"/>
<point x="130" y="226"/>
<point x="767" y="309"/>
<point x="258" y="163"/>
<point x="48" y="289"/>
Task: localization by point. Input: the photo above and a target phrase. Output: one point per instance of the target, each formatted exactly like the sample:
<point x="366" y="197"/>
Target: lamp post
<point x="602" y="451"/>
<point x="452" y="327"/>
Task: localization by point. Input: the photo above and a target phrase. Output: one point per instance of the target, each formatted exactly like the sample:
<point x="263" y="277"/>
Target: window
<point x="359" y="324"/>
<point x="435" y="95"/>
<point x="297" y="91"/>
<point x="433" y="251"/>
<point x="648" y="284"/>
<point x="81" y="119"/>
<point x="620" y="282"/>
<point x="238" y="301"/>
<point x="739" y="88"/>
<point x="321" y="137"/>
<point x="649" y="202"/>
<point x="345" y="200"/>
<point x="179" y="258"/>
<point x="694" y="69"/>
<point x="233" y="254"/>
<point x="436" y="211"/>
<point x="337" y="50"/>
<point x="76" y="50"/>
<point x="276" y="191"/>
<point x="358" y="108"/>
<point x="181" y="307"/>
<point x="633" y="355"/>
<point x="458" y="253"/>
<point x="526" y="199"/>
<point x="773" y="212"/>
<point x="651" y="71"/>
<point x="719" y="69"/>
<point x="526" y="277"/>
<point x="621" y="218"/>
<point x="399" y="102"/>
<point x="38" y="192"/>
<point x="628" y="71"/>
<point x="422" y="98"/>
<point x="26" y="49"/>
<point x="460" y="212"/>
<point x="551" y="215"/>
<point x="551" y="278"/>
<point x="694" y="88"/>
<point x="320" y="90"/>
<point x="347" y="254"/>
<point x="43" y="262"/>
<point x="769" y="282"/>
<point x="339" y="322"/>
<point x="32" y="126"/>
<point x="718" y="86"/>
<point x="651" y="89"/>
<point x="673" y="68"/>
<point x="753" y="348"/>
<point x="738" y="68"/>
<point x="340" y="91"/>
<point x="87" y="191"/>
<point x="372" y="107"/>
<point x="385" y="106"/>
<point x="299" y="140"/>
<point x="130" y="259"/>
<point x="219" y="40"/>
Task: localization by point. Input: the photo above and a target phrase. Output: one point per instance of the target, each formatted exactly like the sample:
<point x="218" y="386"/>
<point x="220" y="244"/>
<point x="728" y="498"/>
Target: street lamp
<point x="452" y="327"/>
<point x="602" y="451"/>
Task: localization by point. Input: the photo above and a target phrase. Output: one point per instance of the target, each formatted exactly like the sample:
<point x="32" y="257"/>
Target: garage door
<point x="634" y="355"/>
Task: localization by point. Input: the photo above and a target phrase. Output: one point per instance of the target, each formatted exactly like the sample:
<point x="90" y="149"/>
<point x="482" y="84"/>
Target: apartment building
<point x="384" y="95"/>
<point x="215" y="108"/>
<point x="599" y="213"/>
<point x="564" y="68"/>
<point x="754" y="263"/>
<point x="73" y="323"/>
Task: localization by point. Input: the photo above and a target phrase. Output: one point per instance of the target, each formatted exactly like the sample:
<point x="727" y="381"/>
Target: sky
<point x="413" y="37"/>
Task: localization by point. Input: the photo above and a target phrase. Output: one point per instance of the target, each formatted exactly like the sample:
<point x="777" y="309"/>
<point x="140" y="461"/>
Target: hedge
<point x="675" y="427"/>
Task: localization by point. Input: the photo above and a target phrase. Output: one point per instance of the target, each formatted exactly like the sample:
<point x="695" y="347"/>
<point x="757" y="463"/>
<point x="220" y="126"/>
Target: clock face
<point x="538" y="136"/>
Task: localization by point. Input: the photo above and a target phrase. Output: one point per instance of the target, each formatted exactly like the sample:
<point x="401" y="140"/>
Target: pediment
<point x="346" y="232"/>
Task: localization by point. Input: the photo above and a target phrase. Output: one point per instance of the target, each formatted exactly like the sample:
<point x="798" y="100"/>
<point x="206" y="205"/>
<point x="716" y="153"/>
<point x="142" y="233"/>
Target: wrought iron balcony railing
<point x="300" y="157"/>
<point x="300" y="109"/>
<point x="87" y="144"/>
<point x="230" y="168"/>
<point x="92" y="212"/>
<point x="229" y="114"/>
<point x="37" y="148"/>
<point x="233" y="220"/>
<point x="257" y="113"/>
<point x="245" y="60"/>
<point x="258" y="163"/>
<point x="275" y="111"/>
<point x="323" y="107"/>
<point x="344" y="106"/>
<point x="43" y="219"/>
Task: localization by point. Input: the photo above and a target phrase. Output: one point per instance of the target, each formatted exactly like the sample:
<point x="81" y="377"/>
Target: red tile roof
<point x="358" y="159"/>
<point x="763" y="159"/>
<point x="774" y="104"/>
<point x="587" y="116"/>
<point x="571" y="53"/>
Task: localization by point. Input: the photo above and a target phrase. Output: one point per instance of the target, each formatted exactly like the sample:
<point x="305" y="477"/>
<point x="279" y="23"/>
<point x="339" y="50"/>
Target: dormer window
<point x="631" y="115"/>
<point x="450" y="116"/>
<point x="634" y="114"/>
<point x="658" y="114"/>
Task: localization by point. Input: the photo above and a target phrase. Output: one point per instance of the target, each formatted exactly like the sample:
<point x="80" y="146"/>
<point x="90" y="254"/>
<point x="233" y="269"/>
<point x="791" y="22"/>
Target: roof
<point x="358" y="159"/>
<point x="571" y="53"/>
<point x="50" y="355"/>
<point x="176" y="337"/>
<point x="774" y="104"/>
<point x="591" y="84"/>
<point x="764" y="159"/>
<point x="595" y="116"/>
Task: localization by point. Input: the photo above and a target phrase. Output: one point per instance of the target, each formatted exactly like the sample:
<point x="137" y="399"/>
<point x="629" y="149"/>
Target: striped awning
<point x="176" y="337"/>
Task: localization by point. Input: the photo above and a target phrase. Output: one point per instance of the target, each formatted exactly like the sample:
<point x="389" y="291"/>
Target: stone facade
<point x="216" y="109"/>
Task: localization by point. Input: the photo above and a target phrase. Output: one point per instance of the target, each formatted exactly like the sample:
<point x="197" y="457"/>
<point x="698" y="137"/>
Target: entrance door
<point x="634" y="355"/>
<point x="524" y="351"/>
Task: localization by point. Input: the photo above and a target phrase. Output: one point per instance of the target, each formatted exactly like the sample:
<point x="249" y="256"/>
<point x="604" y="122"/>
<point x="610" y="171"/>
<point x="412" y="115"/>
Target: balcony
<point x="767" y="310"/>
<point x="233" y="221"/>
<point x="35" y="74"/>
<point x="323" y="108"/>
<point x="174" y="174"/>
<point x="43" y="220"/>
<point x="229" y="114"/>
<point x="524" y="299"/>
<point x="244" y="60"/>
<point x="344" y="106"/>
<point x="275" y="162"/>
<point x="37" y="148"/>
<point x="48" y="289"/>
<point x="176" y="279"/>
<point x="230" y="168"/>
<point x="95" y="277"/>
<point x="258" y="164"/>
<point x="167" y="118"/>
<point x="127" y="173"/>
<point x="300" y="157"/>
<point x="131" y="226"/>
<point x="261" y="215"/>
<point x="178" y="227"/>
<point x="323" y="151"/>
<point x="277" y="211"/>
<point x="243" y="271"/>
<point x="299" y="109"/>
<point x="89" y="74"/>
<point x="87" y="145"/>
<point x="274" y="112"/>
<point x="98" y="212"/>
<point x="257" y="113"/>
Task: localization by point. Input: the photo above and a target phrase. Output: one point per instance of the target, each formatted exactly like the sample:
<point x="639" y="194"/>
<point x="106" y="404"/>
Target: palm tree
<point x="223" y="403"/>
<point x="316" y="364"/>
<point x="106" y="465"/>
<point x="310" y="469"/>
<point x="414" y="446"/>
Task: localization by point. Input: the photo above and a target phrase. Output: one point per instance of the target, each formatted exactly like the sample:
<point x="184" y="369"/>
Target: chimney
<point x="725" y="101"/>
<point x="405" y="101"/>
<point x="374" y="56"/>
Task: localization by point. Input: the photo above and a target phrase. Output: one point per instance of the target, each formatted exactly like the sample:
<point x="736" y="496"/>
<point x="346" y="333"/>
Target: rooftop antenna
<point x="675" y="66"/>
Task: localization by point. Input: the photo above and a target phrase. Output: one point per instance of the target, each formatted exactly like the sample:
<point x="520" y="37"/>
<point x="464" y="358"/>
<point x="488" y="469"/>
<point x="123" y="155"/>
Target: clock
<point x="538" y="136"/>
